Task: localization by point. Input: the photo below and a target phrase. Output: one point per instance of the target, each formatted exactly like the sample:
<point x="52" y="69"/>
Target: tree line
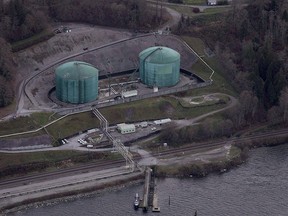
<point x="20" y="19"/>
<point x="251" y="42"/>
<point x="116" y="13"/>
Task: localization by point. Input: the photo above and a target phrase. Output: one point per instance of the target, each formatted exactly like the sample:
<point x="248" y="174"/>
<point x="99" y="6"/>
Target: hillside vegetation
<point x="251" y="42"/>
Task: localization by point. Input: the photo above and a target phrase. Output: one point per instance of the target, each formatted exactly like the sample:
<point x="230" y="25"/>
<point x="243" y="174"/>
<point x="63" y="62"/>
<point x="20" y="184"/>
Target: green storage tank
<point x="76" y="82"/>
<point x="159" y="66"/>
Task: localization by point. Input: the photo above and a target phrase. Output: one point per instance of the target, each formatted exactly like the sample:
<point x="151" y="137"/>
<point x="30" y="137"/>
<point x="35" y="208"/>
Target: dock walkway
<point x="150" y="198"/>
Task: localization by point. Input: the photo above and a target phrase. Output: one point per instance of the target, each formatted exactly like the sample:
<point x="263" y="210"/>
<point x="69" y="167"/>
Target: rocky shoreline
<point x="72" y="195"/>
<point x="194" y="170"/>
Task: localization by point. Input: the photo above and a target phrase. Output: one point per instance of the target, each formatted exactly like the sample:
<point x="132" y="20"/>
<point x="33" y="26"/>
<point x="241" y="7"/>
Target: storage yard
<point x="119" y="67"/>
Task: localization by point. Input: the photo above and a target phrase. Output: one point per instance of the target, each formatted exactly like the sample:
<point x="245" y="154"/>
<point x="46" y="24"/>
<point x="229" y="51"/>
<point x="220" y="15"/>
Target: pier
<point x="150" y="198"/>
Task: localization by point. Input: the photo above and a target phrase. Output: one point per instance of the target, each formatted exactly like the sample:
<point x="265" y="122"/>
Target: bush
<point x="176" y="1"/>
<point x="196" y="10"/>
<point x="6" y="93"/>
<point x="223" y="2"/>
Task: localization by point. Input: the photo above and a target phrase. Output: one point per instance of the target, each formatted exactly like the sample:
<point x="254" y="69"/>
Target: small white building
<point x="144" y="124"/>
<point x="211" y="2"/>
<point x="162" y="121"/>
<point x="127" y="94"/>
<point x="126" y="128"/>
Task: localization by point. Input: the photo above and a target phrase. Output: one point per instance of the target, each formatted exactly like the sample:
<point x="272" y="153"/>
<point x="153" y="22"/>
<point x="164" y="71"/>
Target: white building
<point x="126" y="128"/>
<point x="162" y="121"/>
<point x="211" y="2"/>
<point x="126" y="94"/>
<point x="144" y="124"/>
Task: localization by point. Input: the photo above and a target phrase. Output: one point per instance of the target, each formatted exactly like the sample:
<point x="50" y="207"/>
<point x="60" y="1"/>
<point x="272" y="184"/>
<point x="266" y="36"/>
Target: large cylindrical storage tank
<point x="159" y="66"/>
<point x="76" y="82"/>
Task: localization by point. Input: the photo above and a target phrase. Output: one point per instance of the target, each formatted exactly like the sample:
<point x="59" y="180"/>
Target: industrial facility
<point x="159" y="66"/>
<point x="76" y="82"/>
<point x="140" y="68"/>
<point x="126" y="128"/>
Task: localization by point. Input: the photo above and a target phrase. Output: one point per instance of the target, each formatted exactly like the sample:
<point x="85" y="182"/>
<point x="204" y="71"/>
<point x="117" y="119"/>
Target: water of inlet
<point x="257" y="188"/>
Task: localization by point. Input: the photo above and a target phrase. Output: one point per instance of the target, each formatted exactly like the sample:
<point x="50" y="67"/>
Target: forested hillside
<point x="251" y="42"/>
<point x="117" y="13"/>
<point x="22" y="19"/>
<point x="6" y="74"/>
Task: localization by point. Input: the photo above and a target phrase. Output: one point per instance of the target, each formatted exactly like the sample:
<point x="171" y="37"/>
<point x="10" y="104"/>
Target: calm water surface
<point x="257" y="188"/>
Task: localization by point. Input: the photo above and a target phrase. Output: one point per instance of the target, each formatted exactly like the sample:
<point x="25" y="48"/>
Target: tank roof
<point x="76" y="70"/>
<point x="159" y="55"/>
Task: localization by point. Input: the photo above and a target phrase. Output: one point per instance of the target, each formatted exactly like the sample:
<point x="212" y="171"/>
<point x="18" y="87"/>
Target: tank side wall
<point x="91" y="89"/>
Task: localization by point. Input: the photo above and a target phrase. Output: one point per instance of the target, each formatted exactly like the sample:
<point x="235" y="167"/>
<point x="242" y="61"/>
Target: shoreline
<point x="192" y="170"/>
<point x="110" y="185"/>
<point x="78" y="195"/>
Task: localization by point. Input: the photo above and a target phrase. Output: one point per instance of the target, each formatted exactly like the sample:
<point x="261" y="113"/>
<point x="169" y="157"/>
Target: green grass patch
<point x="44" y="118"/>
<point x="195" y="2"/>
<point x="234" y="152"/>
<point x="220" y="84"/>
<point x="38" y="133"/>
<point x="26" y="123"/>
<point x="23" y="163"/>
<point x="216" y="10"/>
<point x="24" y="158"/>
<point x="204" y="18"/>
<point x="196" y="43"/>
<point x="20" y="124"/>
<point x="182" y="9"/>
<point x="202" y="70"/>
<point x="203" y="15"/>
<point x="154" y="108"/>
<point x="72" y="125"/>
<point x="219" y="80"/>
<point x="42" y="36"/>
<point x="143" y="110"/>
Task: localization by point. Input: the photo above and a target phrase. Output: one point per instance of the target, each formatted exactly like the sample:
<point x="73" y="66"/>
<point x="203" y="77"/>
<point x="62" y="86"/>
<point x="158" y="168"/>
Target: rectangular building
<point x="211" y="2"/>
<point x="126" y="128"/>
<point x="162" y="121"/>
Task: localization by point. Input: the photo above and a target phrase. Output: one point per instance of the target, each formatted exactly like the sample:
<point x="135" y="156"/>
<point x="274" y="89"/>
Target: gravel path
<point x="187" y="122"/>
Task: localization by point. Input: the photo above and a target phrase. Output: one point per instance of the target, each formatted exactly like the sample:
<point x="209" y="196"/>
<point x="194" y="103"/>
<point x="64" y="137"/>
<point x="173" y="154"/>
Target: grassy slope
<point x="219" y="82"/>
<point x="148" y="109"/>
<point x="188" y="11"/>
<point x="22" y="158"/>
<point x="26" y="123"/>
<point x="42" y="36"/>
<point x="73" y="124"/>
<point x="23" y="163"/>
<point x="195" y="2"/>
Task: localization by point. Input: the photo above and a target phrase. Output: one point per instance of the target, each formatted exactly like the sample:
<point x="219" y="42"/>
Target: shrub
<point x="176" y="1"/>
<point x="196" y="10"/>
